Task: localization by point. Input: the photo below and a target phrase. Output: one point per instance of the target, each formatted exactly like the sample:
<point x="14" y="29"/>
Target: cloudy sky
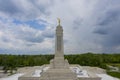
<point x="28" y="26"/>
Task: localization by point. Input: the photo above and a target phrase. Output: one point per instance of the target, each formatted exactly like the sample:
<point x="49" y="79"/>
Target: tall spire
<point x="58" y="21"/>
<point x="59" y="49"/>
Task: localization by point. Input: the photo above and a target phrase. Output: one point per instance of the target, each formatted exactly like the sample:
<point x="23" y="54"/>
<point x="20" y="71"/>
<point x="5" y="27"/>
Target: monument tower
<point x="59" y="68"/>
<point x="59" y="48"/>
<point x="59" y="52"/>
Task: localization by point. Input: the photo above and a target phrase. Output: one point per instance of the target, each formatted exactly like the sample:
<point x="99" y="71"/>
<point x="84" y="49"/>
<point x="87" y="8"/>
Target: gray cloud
<point x="88" y="25"/>
<point x="33" y="37"/>
<point x="25" y="9"/>
<point x="5" y="39"/>
<point x="48" y="34"/>
<point x="109" y="26"/>
<point x="77" y="23"/>
<point x="8" y="7"/>
<point x="101" y="31"/>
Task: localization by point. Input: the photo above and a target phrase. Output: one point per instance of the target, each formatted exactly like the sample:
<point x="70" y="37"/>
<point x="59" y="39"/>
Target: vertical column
<point x="59" y="42"/>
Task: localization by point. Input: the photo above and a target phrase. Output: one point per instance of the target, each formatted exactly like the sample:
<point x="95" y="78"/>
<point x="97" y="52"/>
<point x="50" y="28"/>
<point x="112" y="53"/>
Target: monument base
<point x="59" y="63"/>
<point x="59" y="70"/>
<point x="58" y="74"/>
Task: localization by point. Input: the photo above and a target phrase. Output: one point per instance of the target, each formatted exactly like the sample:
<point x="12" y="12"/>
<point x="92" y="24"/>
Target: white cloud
<point x="80" y="20"/>
<point x="23" y="37"/>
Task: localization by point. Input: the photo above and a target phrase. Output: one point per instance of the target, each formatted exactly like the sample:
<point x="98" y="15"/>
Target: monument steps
<point x="59" y="74"/>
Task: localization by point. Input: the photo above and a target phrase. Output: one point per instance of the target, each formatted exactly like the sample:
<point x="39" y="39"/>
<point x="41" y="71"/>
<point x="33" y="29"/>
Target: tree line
<point x="87" y="59"/>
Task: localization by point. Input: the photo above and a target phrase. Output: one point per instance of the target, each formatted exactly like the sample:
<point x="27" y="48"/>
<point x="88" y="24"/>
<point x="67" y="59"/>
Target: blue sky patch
<point x="32" y="23"/>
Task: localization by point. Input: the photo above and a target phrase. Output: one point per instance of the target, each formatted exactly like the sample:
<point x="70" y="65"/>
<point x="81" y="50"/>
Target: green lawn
<point x="114" y="74"/>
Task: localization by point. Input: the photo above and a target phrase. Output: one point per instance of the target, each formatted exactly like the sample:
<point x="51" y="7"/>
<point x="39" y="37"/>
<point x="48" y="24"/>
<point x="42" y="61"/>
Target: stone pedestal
<point x="58" y="74"/>
<point x="59" y="63"/>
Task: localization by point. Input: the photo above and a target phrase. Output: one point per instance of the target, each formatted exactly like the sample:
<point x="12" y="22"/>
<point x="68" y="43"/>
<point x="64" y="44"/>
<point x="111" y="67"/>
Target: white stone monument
<point x="59" y="68"/>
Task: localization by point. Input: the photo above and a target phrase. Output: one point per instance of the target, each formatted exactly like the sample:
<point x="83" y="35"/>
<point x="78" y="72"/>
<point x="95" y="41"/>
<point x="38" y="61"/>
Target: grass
<point x="116" y="65"/>
<point x="114" y="74"/>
